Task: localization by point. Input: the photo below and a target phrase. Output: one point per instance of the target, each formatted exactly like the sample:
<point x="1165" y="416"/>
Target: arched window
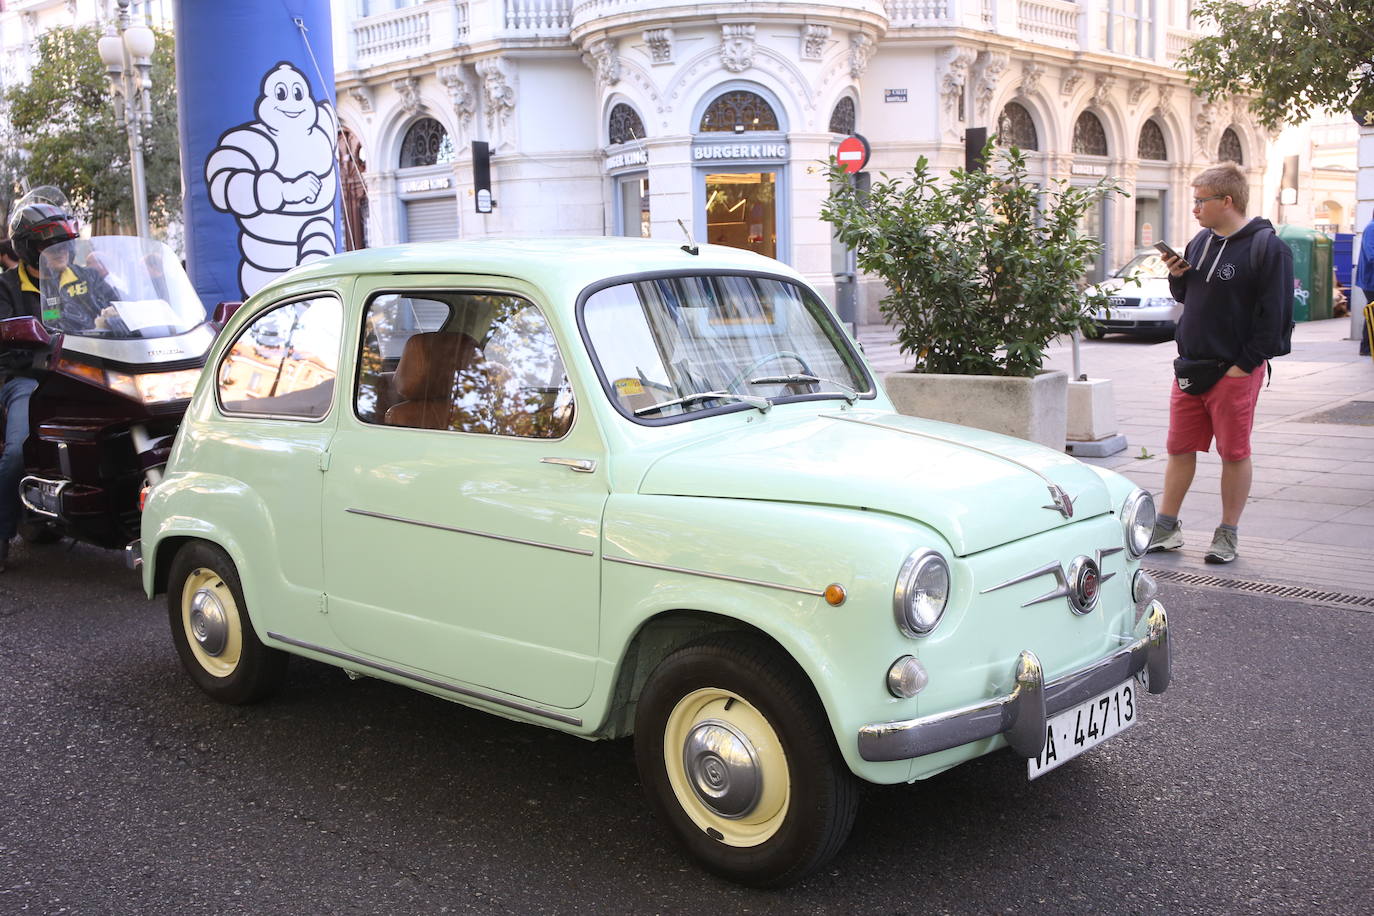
<point x="426" y="143"/>
<point x="1151" y="145"/>
<point x="842" y="118"/>
<point x="625" y="124"/>
<point x="1089" y="139"/>
<point x="1015" y="128"/>
<point x="737" y="112"/>
<point x="1228" y="150"/>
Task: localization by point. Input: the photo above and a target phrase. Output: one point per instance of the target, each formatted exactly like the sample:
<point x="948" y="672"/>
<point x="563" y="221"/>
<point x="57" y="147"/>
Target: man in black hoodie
<point x="1235" y="280"/>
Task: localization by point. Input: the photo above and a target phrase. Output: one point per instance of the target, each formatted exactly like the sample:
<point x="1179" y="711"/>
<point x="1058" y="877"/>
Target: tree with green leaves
<point x="1291" y="57"/>
<point x="62" y="122"/>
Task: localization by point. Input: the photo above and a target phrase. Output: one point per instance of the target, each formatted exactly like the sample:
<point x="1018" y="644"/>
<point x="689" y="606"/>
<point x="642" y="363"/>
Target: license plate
<point x="1085" y="726"/>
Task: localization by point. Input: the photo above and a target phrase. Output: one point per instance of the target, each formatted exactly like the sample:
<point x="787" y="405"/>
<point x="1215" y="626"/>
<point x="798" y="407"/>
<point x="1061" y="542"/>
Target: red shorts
<point x="1226" y="410"/>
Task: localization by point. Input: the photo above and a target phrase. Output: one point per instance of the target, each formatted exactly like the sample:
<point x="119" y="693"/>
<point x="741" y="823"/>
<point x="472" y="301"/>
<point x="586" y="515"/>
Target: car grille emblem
<point x="1063" y="503"/>
<point x="1081" y="582"/>
<point x="1117" y="301"/>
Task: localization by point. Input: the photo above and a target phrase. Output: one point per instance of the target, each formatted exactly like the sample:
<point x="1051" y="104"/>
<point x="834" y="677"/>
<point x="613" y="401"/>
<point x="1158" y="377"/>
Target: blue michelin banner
<point x="258" y="137"/>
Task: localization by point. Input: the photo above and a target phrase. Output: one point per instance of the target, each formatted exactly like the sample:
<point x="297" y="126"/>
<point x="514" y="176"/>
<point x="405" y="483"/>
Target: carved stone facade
<point x="737" y="46"/>
<point x="631" y="115"/>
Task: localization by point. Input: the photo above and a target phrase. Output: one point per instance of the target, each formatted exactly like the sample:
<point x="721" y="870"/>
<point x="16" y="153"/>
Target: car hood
<point x="978" y="489"/>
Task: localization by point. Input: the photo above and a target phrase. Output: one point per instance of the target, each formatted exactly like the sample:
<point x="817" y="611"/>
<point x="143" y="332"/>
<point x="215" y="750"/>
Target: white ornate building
<point x="628" y="116"/>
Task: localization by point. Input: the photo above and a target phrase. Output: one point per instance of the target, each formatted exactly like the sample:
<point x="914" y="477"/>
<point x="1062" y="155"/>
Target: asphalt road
<point x="1245" y="790"/>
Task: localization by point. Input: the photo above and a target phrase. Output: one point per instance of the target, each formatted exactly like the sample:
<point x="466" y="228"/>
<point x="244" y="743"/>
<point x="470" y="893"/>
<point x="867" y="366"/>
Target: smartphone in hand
<point x="1164" y="249"/>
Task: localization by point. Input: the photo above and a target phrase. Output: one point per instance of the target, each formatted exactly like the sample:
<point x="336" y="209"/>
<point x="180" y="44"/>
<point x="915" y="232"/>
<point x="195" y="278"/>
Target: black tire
<point x="226" y="659"/>
<point x="36" y="530"/>
<point x="742" y="682"/>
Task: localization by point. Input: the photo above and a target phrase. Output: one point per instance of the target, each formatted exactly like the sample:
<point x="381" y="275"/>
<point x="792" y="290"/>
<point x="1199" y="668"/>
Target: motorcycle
<point x="119" y="348"/>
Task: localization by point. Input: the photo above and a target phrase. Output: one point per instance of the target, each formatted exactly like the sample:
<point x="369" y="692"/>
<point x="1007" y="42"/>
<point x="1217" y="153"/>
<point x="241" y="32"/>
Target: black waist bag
<point x="1197" y="376"/>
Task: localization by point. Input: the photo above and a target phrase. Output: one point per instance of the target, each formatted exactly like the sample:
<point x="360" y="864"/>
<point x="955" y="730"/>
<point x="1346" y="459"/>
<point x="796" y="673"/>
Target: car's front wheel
<point x="212" y="631"/>
<point x="737" y="757"/>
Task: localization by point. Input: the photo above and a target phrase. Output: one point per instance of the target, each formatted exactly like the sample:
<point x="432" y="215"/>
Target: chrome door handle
<point x="580" y="465"/>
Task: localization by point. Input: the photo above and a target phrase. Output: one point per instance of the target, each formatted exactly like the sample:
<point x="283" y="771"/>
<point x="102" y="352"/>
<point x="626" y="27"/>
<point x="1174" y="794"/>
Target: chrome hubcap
<point x="209" y="623"/>
<point x="723" y="768"/>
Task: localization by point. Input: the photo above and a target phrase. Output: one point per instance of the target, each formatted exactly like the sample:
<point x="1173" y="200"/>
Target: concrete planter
<point x="1028" y="408"/>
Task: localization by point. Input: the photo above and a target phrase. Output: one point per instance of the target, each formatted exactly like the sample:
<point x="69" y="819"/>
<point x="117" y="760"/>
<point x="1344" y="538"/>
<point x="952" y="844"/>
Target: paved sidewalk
<point x="1310" y="518"/>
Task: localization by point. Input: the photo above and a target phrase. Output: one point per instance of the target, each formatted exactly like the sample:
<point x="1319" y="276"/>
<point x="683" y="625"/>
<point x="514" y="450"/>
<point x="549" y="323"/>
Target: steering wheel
<point x="763" y="361"/>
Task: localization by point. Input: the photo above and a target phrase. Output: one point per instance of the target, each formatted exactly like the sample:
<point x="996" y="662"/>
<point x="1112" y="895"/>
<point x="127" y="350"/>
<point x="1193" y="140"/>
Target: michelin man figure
<point x="276" y="175"/>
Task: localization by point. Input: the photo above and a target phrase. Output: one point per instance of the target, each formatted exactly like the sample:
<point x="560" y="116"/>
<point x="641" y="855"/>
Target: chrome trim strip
<point x="421" y="679"/>
<point x="481" y="534"/>
<point x="1106" y="552"/>
<point x="1024" y="712"/>
<point x="815" y="593"/>
<point x="1057" y="570"/>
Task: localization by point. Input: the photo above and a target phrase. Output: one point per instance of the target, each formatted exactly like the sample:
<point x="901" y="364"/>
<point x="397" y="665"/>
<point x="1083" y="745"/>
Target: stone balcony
<point x="439" y="26"/>
<point x="593" y="17"/>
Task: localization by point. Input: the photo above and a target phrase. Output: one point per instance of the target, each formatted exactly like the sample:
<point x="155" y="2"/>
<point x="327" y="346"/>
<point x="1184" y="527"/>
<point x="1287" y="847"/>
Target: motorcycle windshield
<point x="116" y="287"/>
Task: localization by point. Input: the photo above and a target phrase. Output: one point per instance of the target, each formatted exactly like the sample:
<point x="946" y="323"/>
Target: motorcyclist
<point x="33" y="227"/>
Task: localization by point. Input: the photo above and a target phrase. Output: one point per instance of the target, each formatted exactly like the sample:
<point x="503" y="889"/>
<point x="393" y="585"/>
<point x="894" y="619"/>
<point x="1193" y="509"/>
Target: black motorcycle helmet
<point x="38" y="226"/>
<point x="42" y="217"/>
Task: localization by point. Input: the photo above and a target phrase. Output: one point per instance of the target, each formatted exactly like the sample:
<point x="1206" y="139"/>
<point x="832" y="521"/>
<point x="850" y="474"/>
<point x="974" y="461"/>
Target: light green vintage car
<point x="622" y="487"/>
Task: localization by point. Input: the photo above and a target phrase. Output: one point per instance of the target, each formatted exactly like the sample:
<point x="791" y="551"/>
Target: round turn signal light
<point x="835" y="594"/>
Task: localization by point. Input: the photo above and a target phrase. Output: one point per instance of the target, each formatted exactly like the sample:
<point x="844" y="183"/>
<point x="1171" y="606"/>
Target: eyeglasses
<point x="1199" y="201"/>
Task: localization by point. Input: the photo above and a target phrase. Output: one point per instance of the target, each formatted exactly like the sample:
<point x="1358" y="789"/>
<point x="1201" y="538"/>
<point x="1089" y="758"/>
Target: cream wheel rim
<point x="210" y="617"/>
<point x="727" y="767"/>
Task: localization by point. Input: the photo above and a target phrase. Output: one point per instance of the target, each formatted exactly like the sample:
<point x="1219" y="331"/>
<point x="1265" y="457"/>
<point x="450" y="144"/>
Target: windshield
<point x="120" y="287"/>
<point x="1144" y="266"/>
<point x="675" y="346"/>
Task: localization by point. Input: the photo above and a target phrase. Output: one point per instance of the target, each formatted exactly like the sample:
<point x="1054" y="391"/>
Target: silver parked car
<point x="1138" y="299"/>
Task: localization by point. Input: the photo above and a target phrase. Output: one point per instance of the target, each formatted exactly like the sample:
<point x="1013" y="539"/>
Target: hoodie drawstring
<point x="1220" y="251"/>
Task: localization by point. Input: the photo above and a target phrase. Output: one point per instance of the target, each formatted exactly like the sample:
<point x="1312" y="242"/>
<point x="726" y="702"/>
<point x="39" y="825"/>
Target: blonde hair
<point x="1228" y="180"/>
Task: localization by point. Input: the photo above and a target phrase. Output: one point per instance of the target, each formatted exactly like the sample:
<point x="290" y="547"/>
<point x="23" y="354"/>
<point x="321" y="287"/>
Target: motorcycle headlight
<point x="160" y="387"/>
<point x="1138" y="519"/>
<point x="922" y="593"/>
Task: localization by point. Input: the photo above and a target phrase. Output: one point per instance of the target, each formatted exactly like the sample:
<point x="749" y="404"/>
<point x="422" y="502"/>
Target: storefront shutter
<point x="431" y="220"/>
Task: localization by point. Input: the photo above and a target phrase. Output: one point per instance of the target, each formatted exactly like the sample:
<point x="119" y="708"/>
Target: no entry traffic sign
<point x="852" y="153"/>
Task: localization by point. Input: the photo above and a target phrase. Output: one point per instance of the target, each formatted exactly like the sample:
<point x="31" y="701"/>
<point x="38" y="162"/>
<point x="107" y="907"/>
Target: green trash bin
<point x="1312" y="266"/>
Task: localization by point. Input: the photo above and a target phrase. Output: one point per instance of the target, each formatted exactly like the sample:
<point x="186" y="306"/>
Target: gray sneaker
<point x="1223" y="549"/>
<point x="1165" y="538"/>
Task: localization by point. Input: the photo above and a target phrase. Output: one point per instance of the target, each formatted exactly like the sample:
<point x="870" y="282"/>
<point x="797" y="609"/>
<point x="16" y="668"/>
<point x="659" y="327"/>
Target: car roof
<point x="555" y="263"/>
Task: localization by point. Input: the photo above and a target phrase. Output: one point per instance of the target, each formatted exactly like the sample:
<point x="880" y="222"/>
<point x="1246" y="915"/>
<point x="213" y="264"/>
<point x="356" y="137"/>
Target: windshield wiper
<point x="849" y="394"/>
<point x="761" y="403"/>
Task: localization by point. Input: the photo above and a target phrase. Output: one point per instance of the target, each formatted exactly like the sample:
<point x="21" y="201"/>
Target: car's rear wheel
<point x="737" y="757"/>
<point x="212" y="631"/>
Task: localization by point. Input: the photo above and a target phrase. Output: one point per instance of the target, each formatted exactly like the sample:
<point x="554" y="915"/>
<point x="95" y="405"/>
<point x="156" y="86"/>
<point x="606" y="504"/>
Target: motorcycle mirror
<point x="24" y="333"/>
<point x="223" y="312"/>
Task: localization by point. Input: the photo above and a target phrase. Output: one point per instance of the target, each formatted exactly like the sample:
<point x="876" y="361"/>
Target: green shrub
<point x="982" y="269"/>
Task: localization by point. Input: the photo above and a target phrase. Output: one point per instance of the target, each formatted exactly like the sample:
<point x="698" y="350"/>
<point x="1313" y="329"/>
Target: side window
<point x="284" y="362"/>
<point x="466" y="362"/>
<point x="391" y="320"/>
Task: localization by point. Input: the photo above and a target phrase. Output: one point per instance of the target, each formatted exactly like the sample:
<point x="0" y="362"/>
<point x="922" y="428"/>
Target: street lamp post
<point x="127" y="50"/>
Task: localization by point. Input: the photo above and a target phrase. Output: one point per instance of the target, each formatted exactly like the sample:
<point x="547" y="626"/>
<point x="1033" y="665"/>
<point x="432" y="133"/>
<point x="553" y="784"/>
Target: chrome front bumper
<point x="1020" y="716"/>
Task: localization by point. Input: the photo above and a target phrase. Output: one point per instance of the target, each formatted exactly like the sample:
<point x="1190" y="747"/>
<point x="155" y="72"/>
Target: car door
<point x="276" y="397"/>
<point x="463" y="500"/>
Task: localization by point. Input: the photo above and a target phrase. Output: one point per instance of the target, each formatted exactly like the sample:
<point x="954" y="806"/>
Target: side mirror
<point x="224" y="311"/>
<point x="24" y="333"/>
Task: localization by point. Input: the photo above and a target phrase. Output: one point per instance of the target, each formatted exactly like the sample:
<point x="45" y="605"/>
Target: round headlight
<point x="1138" y="518"/>
<point x="922" y="593"/>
